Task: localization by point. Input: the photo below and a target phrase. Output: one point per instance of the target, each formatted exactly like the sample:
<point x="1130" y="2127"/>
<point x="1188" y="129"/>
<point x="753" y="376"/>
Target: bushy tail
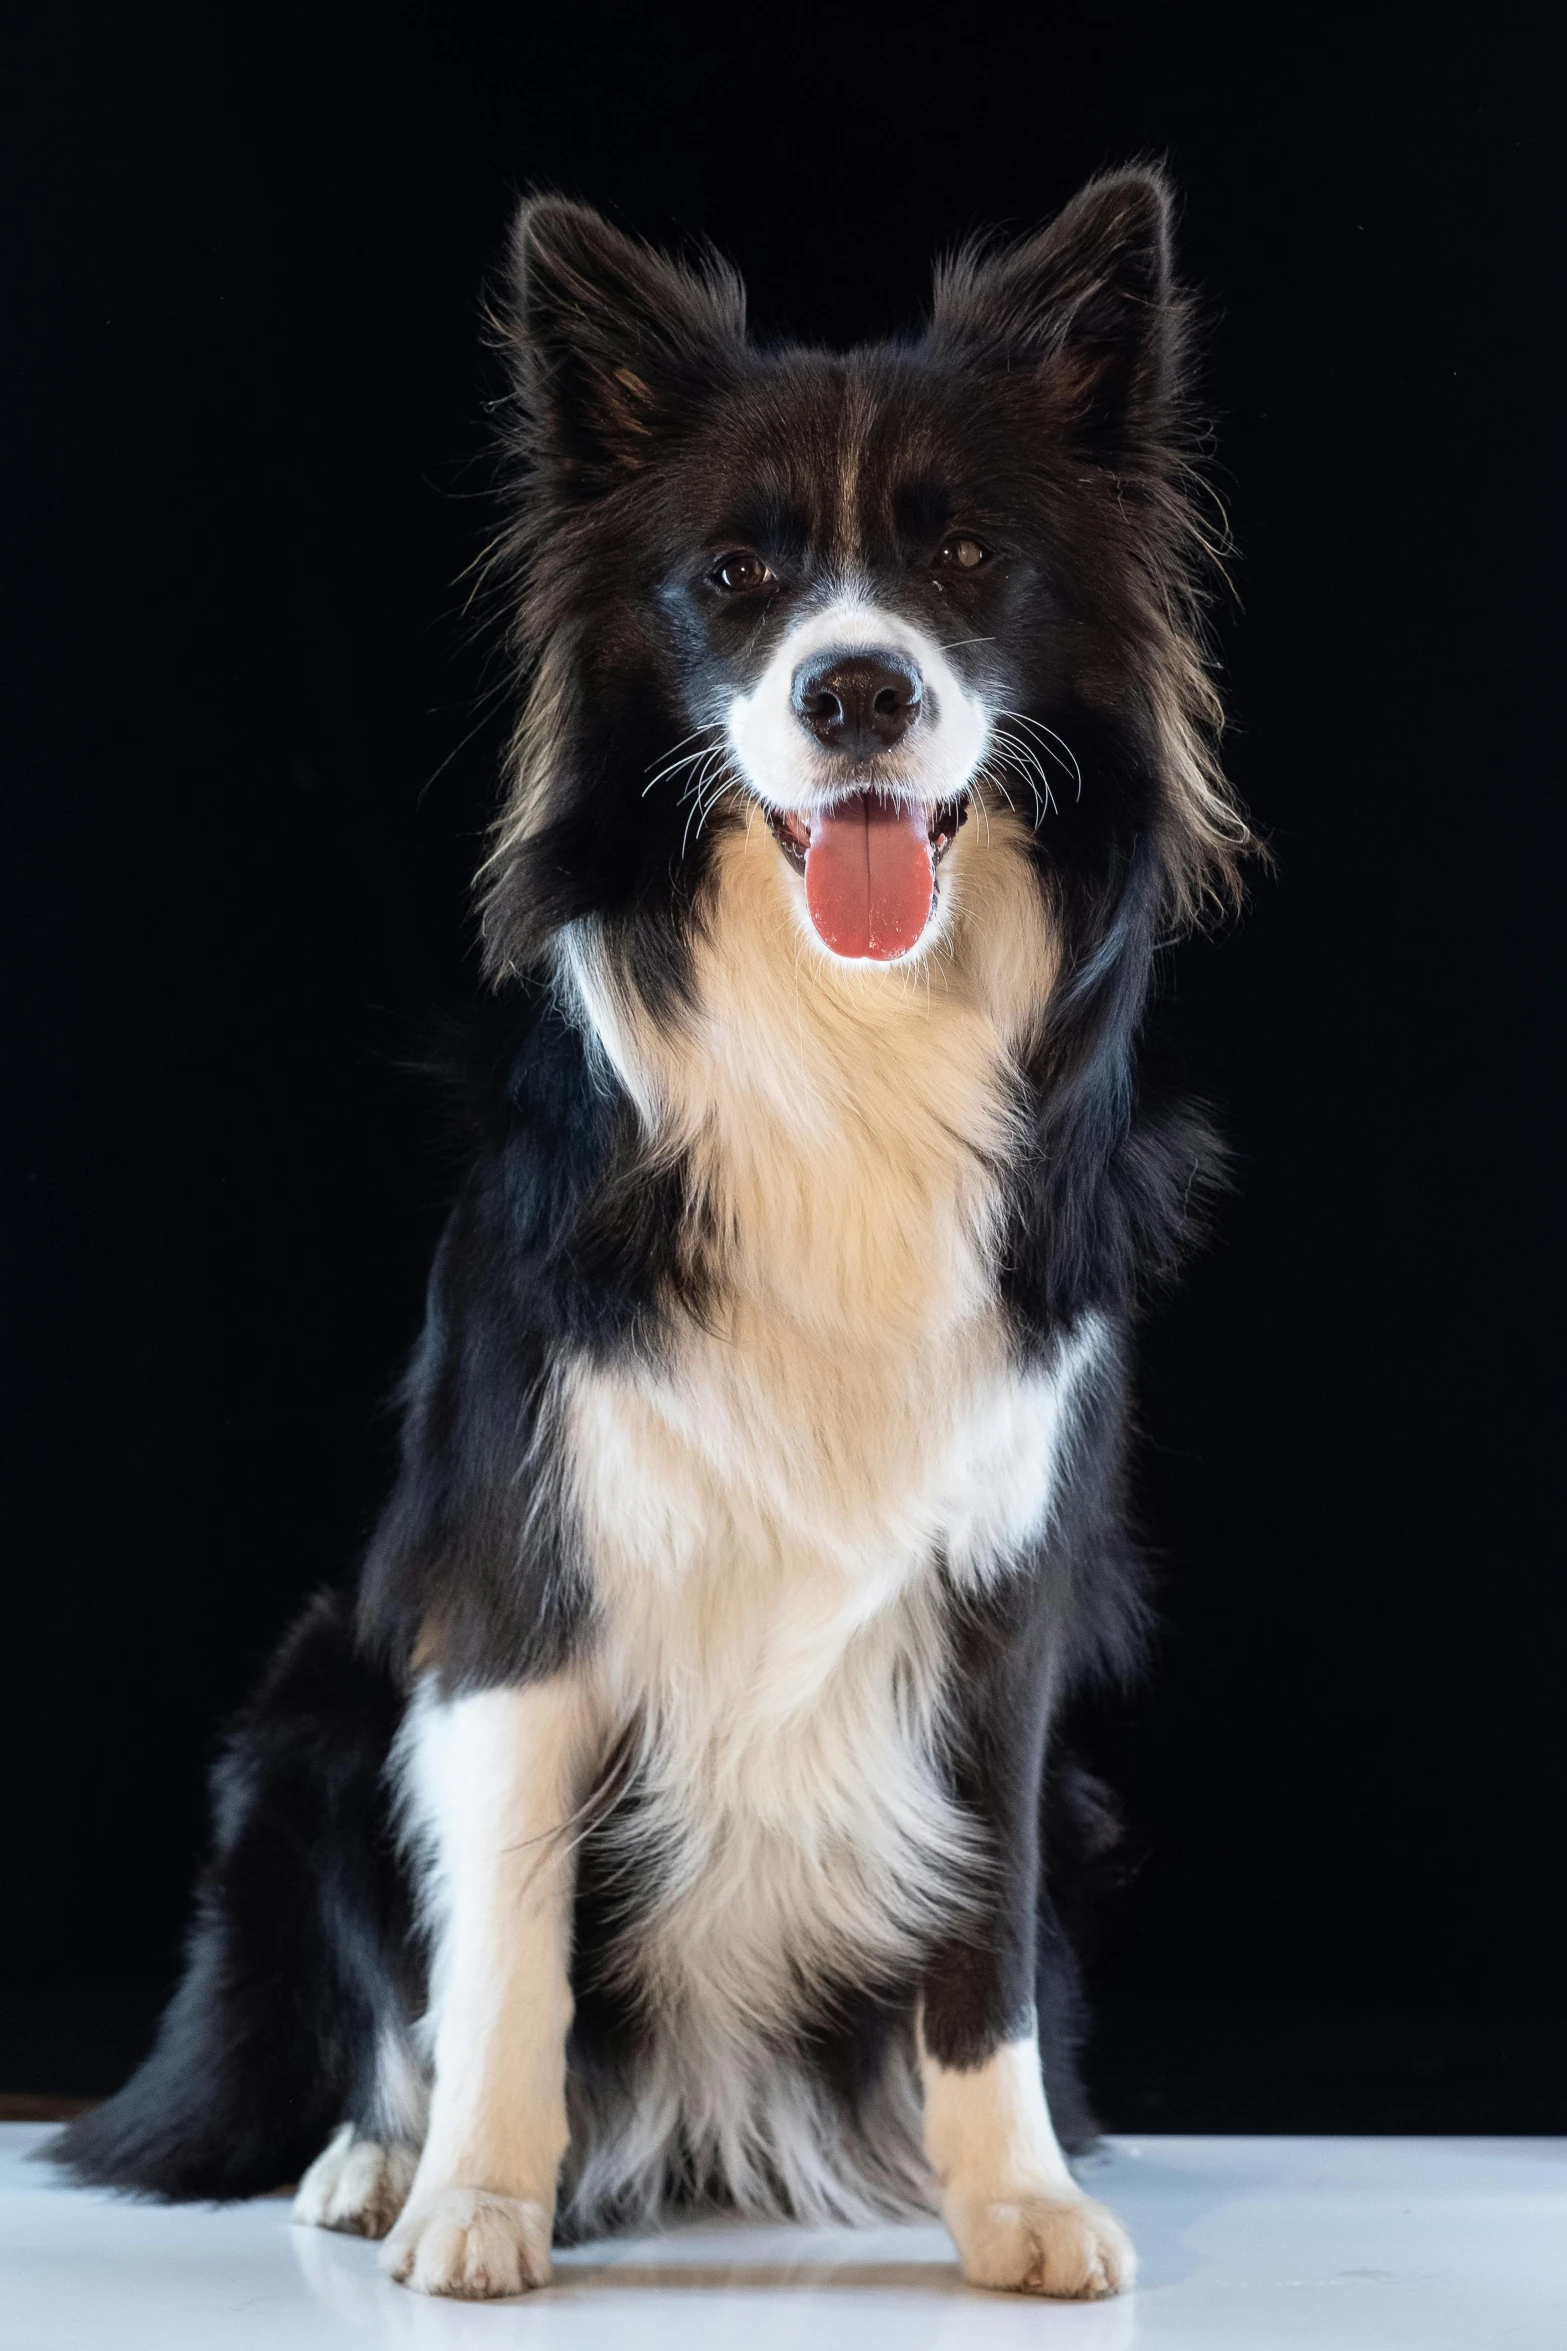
<point x="301" y="1937"/>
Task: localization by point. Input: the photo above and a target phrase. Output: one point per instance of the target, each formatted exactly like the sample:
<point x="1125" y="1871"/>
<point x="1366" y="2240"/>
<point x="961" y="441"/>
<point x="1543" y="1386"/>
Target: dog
<point x="676" y="1811"/>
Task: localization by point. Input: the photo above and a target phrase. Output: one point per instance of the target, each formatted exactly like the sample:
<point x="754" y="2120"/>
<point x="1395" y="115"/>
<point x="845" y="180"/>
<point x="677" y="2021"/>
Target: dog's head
<point x="856" y="596"/>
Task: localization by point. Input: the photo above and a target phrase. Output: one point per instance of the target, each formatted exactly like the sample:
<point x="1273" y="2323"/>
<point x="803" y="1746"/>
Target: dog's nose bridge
<point x="858" y="699"/>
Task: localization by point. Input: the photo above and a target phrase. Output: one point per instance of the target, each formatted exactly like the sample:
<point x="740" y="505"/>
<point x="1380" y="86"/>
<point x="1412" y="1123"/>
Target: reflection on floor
<point x="1428" y="2244"/>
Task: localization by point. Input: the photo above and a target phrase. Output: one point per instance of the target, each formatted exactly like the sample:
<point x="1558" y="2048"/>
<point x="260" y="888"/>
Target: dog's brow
<point x="854" y="428"/>
<point x="921" y="507"/>
<point x="774" y="522"/>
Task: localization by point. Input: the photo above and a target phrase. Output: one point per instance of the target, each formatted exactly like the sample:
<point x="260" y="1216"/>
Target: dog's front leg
<point x="495" y="1779"/>
<point x="1019" y="2219"/>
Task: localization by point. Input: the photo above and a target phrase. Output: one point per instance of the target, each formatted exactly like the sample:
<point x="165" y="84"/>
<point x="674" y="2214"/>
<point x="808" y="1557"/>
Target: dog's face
<point x="840" y="610"/>
<point x="854" y="597"/>
<point x="826" y="621"/>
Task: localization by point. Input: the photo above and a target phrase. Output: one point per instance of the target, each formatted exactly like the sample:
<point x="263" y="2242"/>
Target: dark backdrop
<point x="248" y="765"/>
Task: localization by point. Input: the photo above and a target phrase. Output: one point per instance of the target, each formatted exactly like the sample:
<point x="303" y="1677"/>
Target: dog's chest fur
<point x="773" y="1510"/>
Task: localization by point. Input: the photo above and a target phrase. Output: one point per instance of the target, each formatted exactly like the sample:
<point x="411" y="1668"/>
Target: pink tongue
<point x="868" y="878"/>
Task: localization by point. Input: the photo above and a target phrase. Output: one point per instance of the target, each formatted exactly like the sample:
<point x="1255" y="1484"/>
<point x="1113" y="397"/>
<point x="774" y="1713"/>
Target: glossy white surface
<point x="1440" y="2244"/>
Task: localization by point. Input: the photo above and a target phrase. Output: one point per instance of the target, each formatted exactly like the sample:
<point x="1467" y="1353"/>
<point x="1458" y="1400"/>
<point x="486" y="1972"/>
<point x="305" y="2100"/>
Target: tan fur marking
<point x="853" y="424"/>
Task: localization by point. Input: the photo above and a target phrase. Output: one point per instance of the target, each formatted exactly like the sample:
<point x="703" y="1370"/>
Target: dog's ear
<point x="610" y="342"/>
<point x="1088" y="301"/>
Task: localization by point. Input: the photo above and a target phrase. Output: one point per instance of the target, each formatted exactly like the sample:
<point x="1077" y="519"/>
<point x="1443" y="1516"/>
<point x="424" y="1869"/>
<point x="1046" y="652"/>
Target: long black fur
<point x="302" y="1933"/>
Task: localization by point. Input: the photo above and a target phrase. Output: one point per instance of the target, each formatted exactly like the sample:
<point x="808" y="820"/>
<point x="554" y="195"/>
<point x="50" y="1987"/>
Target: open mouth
<point x="869" y="862"/>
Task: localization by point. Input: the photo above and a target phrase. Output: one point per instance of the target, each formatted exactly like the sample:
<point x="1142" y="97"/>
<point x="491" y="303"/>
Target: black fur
<point x="1077" y="1615"/>
<point x="301" y="1941"/>
<point x="562" y="1233"/>
<point x="1044" y="406"/>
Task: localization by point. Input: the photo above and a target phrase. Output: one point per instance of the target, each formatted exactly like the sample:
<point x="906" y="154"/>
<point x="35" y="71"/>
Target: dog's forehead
<point x="830" y="451"/>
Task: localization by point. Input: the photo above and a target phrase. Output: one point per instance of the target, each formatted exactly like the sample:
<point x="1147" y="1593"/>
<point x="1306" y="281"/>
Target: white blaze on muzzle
<point x="861" y="741"/>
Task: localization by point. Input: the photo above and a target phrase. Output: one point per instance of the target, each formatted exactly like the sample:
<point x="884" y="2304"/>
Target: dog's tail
<point x="300" y="1939"/>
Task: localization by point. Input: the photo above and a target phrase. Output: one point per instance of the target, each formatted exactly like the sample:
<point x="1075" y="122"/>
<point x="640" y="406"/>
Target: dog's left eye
<point x="961" y="554"/>
<point x="739" y="571"/>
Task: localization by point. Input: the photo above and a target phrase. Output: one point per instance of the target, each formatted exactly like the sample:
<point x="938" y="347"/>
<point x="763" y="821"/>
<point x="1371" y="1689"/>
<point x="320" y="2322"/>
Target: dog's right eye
<point x="739" y="571"/>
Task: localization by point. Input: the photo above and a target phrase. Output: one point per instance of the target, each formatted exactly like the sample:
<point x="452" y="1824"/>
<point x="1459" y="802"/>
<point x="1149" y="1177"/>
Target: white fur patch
<point x="770" y="1511"/>
<point x="787" y="768"/>
<point x="1018" y="2218"/>
<point x="490" y="1783"/>
<point x="473" y="2244"/>
<point x="355" y="2185"/>
<point x="988" y="2129"/>
<point x="402" y="2093"/>
<point x="771" y="1508"/>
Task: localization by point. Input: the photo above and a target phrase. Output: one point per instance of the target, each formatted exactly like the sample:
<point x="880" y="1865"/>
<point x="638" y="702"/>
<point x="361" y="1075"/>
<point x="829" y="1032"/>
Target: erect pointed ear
<point x="610" y="342"/>
<point x="1088" y="300"/>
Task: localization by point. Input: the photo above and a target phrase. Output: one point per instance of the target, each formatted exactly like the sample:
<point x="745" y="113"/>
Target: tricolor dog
<point x="672" y="1810"/>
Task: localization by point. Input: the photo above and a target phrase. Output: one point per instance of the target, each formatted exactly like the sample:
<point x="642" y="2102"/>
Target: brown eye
<point x="741" y="570"/>
<point x="961" y="555"/>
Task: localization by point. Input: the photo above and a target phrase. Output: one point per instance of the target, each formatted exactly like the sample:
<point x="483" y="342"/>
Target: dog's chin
<point x="869" y="856"/>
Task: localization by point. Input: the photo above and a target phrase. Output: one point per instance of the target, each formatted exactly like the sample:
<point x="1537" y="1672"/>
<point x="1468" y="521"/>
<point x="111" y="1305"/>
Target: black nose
<point x="857" y="703"/>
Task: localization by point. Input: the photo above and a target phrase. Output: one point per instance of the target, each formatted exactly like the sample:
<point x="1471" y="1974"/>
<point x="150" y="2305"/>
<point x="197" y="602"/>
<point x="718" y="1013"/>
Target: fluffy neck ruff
<point x="842" y="1123"/>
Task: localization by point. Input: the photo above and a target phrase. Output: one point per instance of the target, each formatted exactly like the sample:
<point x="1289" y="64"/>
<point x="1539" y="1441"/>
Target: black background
<point x="250" y="758"/>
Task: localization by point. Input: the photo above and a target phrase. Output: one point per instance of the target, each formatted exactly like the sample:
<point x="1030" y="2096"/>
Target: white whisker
<point x="667" y="764"/>
<point x="1069" y="761"/>
<point x="673" y="766"/>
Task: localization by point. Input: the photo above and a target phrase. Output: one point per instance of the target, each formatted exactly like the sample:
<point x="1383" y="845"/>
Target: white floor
<point x="1245" y="2244"/>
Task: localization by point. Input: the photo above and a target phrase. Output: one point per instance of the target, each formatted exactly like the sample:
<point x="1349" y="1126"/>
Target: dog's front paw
<point x="468" y="2242"/>
<point x="1068" y="2247"/>
<point x="355" y="2185"/>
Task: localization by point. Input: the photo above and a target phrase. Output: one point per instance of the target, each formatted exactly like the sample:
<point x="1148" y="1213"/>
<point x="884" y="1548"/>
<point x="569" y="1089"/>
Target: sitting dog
<point x="672" y="1812"/>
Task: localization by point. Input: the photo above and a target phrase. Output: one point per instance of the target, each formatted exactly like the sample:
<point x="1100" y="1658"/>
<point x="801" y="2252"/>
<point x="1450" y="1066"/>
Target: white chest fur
<point x="772" y="1620"/>
<point x="779" y="1491"/>
<point x="771" y="1510"/>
